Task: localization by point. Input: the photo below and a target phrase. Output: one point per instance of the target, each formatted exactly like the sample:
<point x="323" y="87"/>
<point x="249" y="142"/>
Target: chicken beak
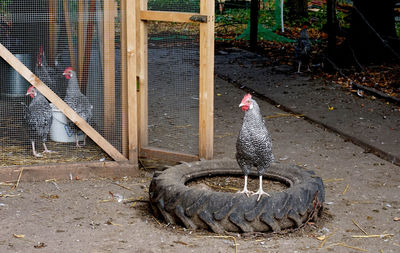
<point x="241" y="104"/>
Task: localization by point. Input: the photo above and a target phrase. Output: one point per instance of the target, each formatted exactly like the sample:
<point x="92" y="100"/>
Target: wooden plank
<point x="131" y="80"/>
<point x="81" y="42"/>
<point x="88" y="43"/>
<point x="142" y="69"/>
<point x="64" y="171"/>
<point x="109" y="68"/>
<point x="53" y="29"/>
<point x="60" y="104"/>
<point x="206" y="110"/>
<point x="124" y="85"/>
<point x="166" y="16"/>
<point x="69" y="34"/>
<point x="163" y="154"/>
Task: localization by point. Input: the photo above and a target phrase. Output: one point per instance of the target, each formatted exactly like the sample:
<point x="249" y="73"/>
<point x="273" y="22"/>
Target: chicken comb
<point x="246" y="97"/>
<point x="30" y="89"/>
<point x="39" y="57"/>
<point x="68" y="69"/>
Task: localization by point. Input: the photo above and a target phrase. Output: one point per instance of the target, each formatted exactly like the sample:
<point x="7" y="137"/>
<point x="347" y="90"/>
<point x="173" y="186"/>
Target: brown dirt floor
<point x="112" y="215"/>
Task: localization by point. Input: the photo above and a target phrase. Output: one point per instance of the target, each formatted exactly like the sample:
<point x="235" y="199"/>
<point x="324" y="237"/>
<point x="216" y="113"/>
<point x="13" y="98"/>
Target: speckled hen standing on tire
<point x="254" y="145"/>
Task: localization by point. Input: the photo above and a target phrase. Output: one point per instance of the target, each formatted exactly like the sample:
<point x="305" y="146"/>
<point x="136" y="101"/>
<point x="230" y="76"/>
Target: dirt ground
<point x="112" y="215"/>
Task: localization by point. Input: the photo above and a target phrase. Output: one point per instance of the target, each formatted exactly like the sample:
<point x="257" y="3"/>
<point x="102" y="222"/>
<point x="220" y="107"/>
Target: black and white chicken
<point x="254" y="144"/>
<point x="39" y="117"/>
<point x="47" y="74"/>
<point x="77" y="101"/>
<point x="303" y="50"/>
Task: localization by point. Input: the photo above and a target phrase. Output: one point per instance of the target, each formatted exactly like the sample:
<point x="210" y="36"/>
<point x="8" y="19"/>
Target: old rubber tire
<point x="196" y="208"/>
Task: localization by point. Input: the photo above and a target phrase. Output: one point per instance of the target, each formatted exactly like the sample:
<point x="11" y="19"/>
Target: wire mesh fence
<point x="74" y="47"/>
<point x="173" y="75"/>
<point x="48" y="37"/>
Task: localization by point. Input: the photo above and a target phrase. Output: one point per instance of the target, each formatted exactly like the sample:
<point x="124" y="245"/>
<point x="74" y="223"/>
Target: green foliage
<point x="242" y="16"/>
<point x="3" y="5"/>
<point x="317" y="20"/>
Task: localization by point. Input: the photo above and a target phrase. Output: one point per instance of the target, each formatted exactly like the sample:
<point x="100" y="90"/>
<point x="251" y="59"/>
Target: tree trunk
<point x="372" y="27"/>
<point x="253" y="24"/>
<point x="332" y="26"/>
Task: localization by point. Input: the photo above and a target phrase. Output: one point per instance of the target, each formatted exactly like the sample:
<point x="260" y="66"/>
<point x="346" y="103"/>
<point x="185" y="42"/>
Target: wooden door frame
<point x="206" y="18"/>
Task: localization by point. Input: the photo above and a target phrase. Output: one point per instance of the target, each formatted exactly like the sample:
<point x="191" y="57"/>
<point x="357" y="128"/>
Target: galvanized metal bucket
<point x="12" y="84"/>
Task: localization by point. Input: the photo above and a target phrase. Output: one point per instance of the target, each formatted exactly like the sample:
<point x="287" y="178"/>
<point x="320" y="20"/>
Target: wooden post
<point x="81" y="41"/>
<point x="142" y="71"/>
<point x="88" y="44"/>
<point x="124" y="86"/>
<point x="52" y="31"/>
<point x="131" y="67"/>
<point x="206" y="113"/>
<point x="109" y="67"/>
<point x="69" y="34"/>
<point x="331" y="24"/>
<point x="60" y="104"/>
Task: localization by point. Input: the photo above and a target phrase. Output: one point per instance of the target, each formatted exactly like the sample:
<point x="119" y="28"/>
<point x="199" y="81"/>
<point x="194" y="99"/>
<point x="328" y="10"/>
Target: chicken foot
<point x="35" y="154"/>
<point x="260" y="191"/>
<point x="46" y="150"/>
<point x="245" y="191"/>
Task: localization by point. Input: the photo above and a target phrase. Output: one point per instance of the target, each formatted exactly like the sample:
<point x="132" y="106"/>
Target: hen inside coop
<point x="74" y="47"/>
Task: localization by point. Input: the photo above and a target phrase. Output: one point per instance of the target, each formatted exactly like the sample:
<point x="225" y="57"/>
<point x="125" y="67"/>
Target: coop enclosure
<point x="146" y="68"/>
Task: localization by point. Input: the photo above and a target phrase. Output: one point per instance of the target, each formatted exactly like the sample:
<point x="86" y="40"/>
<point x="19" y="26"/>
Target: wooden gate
<point x="205" y="19"/>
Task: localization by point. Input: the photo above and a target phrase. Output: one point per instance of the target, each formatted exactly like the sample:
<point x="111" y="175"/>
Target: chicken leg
<point x="245" y="191"/>
<point x="35" y="154"/>
<point x="260" y="191"/>
<point x="46" y="150"/>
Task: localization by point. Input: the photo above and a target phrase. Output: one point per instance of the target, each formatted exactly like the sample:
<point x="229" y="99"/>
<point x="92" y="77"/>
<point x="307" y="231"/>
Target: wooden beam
<point x="166" y="16"/>
<point x="124" y="85"/>
<point x="88" y="43"/>
<point x="69" y="34"/>
<point x="81" y="42"/>
<point x="131" y="79"/>
<point x="53" y="29"/>
<point x="109" y="67"/>
<point x="60" y="104"/>
<point x="142" y="72"/>
<point x="81" y="170"/>
<point x="206" y="108"/>
<point x="163" y="154"/>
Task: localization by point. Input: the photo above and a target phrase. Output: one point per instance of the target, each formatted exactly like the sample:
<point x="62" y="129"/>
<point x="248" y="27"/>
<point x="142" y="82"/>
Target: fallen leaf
<point x="52" y="196"/>
<point x="40" y="245"/>
<point x="321" y="238"/>
<point x="331" y="108"/>
<point x="18" y="236"/>
<point x="396" y="218"/>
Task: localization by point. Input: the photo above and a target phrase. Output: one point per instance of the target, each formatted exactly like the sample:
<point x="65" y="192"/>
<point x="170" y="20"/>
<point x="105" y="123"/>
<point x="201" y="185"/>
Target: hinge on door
<point x="199" y="18"/>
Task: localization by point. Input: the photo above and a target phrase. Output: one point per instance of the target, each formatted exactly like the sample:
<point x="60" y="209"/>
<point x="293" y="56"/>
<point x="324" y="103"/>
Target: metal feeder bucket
<point x="12" y="84"/>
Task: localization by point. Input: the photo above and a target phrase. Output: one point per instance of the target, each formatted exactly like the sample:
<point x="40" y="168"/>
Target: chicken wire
<point x="56" y="27"/>
<point x="173" y="77"/>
